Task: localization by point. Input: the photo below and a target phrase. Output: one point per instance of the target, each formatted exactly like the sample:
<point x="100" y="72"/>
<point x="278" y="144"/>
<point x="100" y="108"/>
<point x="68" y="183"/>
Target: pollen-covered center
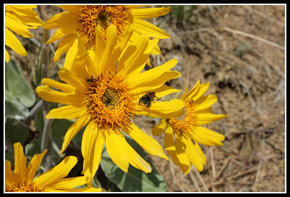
<point x="183" y="125"/>
<point x="23" y="188"/>
<point x="103" y="15"/>
<point x="109" y="101"/>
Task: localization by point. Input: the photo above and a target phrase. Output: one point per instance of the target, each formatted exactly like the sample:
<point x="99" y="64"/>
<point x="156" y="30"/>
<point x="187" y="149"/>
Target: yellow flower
<point x="23" y="179"/>
<point x="104" y="94"/>
<point x="19" y="18"/>
<point x="183" y="134"/>
<point x="85" y="19"/>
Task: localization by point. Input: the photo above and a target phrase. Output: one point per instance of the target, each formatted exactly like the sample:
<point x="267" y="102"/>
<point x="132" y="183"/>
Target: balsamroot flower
<point x="23" y="179"/>
<point x="19" y="18"/>
<point x="182" y="134"/>
<point x="85" y="19"/>
<point x="103" y="91"/>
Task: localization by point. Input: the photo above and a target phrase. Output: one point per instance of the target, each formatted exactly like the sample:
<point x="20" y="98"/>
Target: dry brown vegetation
<point x="240" y="50"/>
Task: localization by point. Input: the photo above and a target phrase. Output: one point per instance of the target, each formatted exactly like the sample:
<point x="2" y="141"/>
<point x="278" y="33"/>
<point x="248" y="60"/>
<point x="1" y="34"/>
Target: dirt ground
<point x="240" y="50"/>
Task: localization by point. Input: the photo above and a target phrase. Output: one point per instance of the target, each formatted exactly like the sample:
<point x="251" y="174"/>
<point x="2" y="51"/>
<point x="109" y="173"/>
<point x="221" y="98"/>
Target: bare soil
<point x="240" y="50"/>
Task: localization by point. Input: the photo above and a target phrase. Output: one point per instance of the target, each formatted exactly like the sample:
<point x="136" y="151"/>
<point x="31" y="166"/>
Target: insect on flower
<point x="147" y="98"/>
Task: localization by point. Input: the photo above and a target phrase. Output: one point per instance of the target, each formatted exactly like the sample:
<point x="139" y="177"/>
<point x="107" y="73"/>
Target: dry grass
<point x="240" y="50"/>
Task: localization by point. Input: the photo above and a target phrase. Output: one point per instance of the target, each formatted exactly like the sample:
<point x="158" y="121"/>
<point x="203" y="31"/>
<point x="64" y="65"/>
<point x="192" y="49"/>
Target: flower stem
<point x="46" y="140"/>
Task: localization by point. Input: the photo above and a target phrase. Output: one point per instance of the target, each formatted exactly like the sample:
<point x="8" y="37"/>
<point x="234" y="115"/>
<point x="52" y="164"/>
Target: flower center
<point x="109" y="101"/>
<point x="23" y="188"/>
<point x="103" y="15"/>
<point x="183" y="125"/>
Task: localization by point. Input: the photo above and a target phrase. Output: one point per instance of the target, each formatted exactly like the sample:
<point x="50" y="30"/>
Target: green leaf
<point x="59" y="128"/>
<point x="13" y="107"/>
<point x="17" y="85"/>
<point x="38" y="121"/>
<point x="15" y="130"/>
<point x="32" y="148"/>
<point x="134" y="180"/>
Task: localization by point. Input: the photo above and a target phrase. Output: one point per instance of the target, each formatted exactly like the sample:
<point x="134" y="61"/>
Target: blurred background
<point x="239" y="49"/>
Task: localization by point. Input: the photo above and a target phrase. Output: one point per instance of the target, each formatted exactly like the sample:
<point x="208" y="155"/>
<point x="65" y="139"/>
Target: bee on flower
<point x="101" y="90"/>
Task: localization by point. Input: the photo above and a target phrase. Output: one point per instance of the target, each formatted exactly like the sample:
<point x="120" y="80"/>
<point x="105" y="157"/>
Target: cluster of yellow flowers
<point x="103" y="87"/>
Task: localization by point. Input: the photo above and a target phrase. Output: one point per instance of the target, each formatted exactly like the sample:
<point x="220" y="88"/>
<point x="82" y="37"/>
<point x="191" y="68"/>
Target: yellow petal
<point x="50" y="95"/>
<point x="156" y="50"/>
<point x="183" y="160"/>
<point x="160" y="127"/>
<point x="126" y="38"/>
<point x="56" y="173"/>
<point x="115" y="144"/>
<point x="31" y="20"/>
<point x="200" y="152"/>
<point x="67" y="183"/>
<point x="58" y="20"/>
<point x="93" y="64"/>
<point x="73" y="130"/>
<point x="147" y="13"/>
<point x="170" y="146"/>
<point x="202" y="90"/>
<point x="193" y="154"/>
<point x="79" y="69"/>
<point x="8" y="174"/>
<point x="64" y="31"/>
<point x="92" y="147"/>
<point x="167" y="109"/>
<point x="17" y="27"/>
<point x="75" y="9"/>
<point x="155" y="82"/>
<point x="134" y="57"/>
<point x="63" y="46"/>
<point x="205" y="102"/>
<point x="73" y="80"/>
<point x="207" y="137"/>
<point x="169" y="139"/>
<point x="22" y="9"/>
<point x="148" y="143"/>
<point x="145" y="27"/>
<point x="66" y="112"/>
<point x="58" y="85"/>
<point x="12" y="42"/>
<point x="206" y="118"/>
<point x="95" y="54"/>
<point x="164" y="90"/>
<point x="33" y="166"/>
<point x="75" y="51"/>
<point x="19" y="161"/>
<point x="136" y="160"/>
<point x="152" y="75"/>
<point x="107" y="56"/>
<point x="97" y="153"/>
<point x="193" y="91"/>
<point x="7" y="56"/>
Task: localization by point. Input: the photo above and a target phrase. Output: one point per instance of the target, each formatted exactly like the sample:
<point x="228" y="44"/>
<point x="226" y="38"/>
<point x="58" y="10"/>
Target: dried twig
<point x="212" y="162"/>
<point x="253" y="37"/>
<point x="223" y="167"/>
<point x="242" y="173"/>
<point x="194" y="181"/>
<point x="201" y="179"/>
